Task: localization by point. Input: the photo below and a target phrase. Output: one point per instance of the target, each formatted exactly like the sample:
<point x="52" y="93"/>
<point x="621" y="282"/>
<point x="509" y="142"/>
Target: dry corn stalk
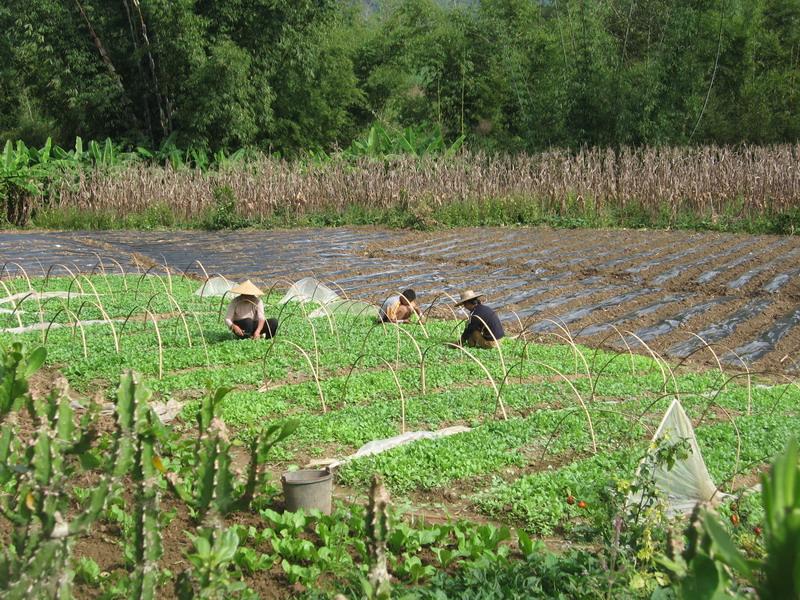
<point x="745" y="181"/>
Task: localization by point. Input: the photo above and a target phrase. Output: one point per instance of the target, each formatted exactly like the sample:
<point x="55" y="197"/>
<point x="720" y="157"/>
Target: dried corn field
<point x="743" y="182"/>
<point x="718" y="298"/>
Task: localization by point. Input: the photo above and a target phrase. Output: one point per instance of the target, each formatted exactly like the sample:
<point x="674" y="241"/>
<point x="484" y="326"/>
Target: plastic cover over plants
<point x="309" y="289"/>
<point x="215" y="286"/>
<point x="688" y="481"/>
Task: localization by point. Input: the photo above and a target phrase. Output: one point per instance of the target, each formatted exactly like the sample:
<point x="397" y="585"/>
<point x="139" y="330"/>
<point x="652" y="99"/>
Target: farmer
<point x="245" y="316"/>
<point x="483" y="329"/>
<point x="399" y="308"/>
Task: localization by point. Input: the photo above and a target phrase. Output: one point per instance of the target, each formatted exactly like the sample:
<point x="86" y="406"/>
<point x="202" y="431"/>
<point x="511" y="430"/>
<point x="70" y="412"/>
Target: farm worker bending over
<point x="398" y="309"/>
<point x="483" y="329"/>
<point x="245" y="316"/>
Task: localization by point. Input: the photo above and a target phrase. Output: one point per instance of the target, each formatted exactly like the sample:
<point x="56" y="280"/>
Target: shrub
<point x="223" y="215"/>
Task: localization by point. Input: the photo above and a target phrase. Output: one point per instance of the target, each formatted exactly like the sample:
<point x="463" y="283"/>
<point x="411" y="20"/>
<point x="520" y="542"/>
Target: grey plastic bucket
<point x="307" y="489"/>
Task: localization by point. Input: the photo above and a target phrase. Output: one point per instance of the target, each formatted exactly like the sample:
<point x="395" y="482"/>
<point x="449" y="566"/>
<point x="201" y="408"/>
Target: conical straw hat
<point x="466" y="296"/>
<point x="247" y="288"/>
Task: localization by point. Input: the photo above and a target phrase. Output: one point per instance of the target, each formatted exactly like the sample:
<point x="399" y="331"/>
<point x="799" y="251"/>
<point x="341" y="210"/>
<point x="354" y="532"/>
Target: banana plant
<point x="169" y="153"/>
<point x="198" y="158"/>
<point x="73" y="159"/>
<point x="223" y="161"/>
<point x="22" y="178"/>
<point x="411" y="141"/>
<point x="105" y="155"/>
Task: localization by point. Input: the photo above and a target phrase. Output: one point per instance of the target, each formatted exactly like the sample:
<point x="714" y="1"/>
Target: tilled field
<point x="673" y="291"/>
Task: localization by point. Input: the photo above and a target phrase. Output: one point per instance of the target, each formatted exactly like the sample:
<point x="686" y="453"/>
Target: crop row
<point x="537" y="500"/>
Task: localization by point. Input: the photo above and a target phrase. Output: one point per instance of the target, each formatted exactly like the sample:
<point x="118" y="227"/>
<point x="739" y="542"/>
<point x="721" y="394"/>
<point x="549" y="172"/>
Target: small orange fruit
<point x="735" y="519"/>
<point x="581" y="504"/>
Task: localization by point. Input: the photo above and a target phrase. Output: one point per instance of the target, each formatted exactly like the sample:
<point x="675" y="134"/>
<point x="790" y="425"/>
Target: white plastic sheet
<point x="214" y="286"/>
<point x="165" y="411"/>
<point x="309" y="289"/>
<point x="378" y="446"/>
<point x="688" y="482"/>
<point x="26" y="296"/>
<point x="42" y="326"/>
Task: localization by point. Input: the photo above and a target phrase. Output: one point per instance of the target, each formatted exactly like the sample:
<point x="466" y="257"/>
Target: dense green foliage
<point x="291" y="75"/>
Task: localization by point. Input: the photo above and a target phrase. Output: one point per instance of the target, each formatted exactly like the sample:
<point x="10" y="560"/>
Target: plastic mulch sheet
<point x="19" y="298"/>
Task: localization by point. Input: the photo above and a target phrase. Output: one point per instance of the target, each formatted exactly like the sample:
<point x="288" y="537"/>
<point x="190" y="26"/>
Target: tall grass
<point x="712" y="187"/>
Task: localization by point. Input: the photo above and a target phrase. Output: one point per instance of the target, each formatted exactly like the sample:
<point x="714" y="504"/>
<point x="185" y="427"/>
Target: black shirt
<point x="481" y="318"/>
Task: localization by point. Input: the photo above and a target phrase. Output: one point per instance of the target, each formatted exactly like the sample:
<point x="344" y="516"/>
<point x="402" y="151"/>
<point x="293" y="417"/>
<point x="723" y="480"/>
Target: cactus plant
<point x="34" y="473"/>
<point x="15" y="369"/>
<point x="33" y="476"/>
<point x="378" y="526"/>
<point x="138" y="431"/>
<point x="216" y="491"/>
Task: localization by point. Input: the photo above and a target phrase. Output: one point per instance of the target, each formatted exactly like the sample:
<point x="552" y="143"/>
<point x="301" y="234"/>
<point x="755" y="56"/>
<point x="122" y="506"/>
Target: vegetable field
<point x="143" y="445"/>
<point x="738" y="293"/>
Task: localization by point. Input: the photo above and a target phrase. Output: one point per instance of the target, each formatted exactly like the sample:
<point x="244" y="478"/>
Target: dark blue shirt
<point x="481" y="318"/>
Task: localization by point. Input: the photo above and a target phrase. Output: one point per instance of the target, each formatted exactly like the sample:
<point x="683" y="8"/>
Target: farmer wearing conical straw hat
<point x="483" y="329"/>
<point x="245" y="316"/>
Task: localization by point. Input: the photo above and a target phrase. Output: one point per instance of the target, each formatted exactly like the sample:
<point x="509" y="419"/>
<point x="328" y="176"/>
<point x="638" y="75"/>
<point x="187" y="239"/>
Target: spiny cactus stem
<point x="37" y="467"/>
<point x="217" y="474"/>
<point x="147" y="540"/>
<point x="378" y="532"/>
